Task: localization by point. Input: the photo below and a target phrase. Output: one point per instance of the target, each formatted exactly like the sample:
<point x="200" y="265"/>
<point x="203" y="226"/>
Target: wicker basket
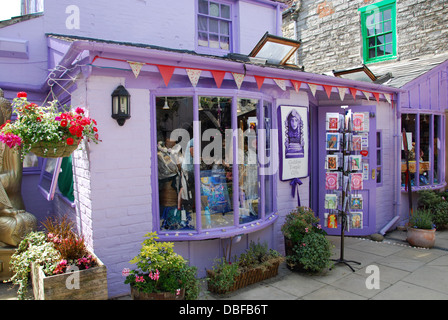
<point x="54" y="150"/>
<point x="246" y="278"/>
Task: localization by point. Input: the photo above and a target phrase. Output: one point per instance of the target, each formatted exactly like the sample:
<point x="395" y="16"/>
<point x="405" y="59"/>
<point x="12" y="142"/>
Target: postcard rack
<point x="344" y="177"/>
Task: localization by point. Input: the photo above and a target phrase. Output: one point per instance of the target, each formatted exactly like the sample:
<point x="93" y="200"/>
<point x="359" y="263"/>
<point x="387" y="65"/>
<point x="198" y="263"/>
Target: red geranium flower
<point x="70" y="141"/>
<point x="63" y="123"/>
<point x="21" y="94"/>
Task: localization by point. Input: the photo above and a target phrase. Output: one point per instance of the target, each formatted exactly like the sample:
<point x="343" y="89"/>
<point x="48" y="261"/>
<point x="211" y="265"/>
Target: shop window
<point x="379" y="31"/>
<point x="208" y="169"/>
<point x="423" y="135"/>
<point x="214" y="26"/>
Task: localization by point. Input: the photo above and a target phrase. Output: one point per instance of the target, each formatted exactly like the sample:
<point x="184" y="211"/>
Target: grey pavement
<point x="405" y="273"/>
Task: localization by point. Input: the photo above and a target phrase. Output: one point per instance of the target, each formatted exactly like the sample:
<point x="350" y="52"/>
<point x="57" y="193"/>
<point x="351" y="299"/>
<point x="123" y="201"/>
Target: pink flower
<point x="304" y="244"/>
<point x="79" y="110"/>
<point x="319" y="226"/>
<point x="177" y="292"/>
<point x="125" y="272"/>
<point x="306" y="229"/>
<point x="139" y="279"/>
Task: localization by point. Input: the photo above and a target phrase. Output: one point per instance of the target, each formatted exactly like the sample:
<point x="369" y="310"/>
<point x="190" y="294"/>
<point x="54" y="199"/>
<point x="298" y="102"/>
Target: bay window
<point x="426" y="161"/>
<point x="209" y="178"/>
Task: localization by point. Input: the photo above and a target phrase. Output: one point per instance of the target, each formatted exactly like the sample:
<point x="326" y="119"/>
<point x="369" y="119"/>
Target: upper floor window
<point x="214" y="26"/>
<point x="379" y="31"/>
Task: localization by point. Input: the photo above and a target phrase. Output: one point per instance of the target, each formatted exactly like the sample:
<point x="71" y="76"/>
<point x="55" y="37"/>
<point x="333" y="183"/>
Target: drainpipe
<point x="397" y="162"/>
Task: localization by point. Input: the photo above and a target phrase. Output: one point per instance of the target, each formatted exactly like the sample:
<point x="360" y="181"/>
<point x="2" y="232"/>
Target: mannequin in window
<point x="15" y="222"/>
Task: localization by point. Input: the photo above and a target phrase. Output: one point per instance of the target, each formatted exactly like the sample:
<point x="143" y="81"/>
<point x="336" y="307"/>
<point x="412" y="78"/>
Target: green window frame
<point x="378" y="28"/>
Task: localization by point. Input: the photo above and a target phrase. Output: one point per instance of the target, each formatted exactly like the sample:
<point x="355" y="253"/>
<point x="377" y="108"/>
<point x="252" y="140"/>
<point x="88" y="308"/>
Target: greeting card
<point x="358" y="121"/>
<point x="356" y="202"/>
<point x="331" y="201"/>
<point x="356" y="220"/>
<point x="331" y="162"/>
<point x="331" y="181"/>
<point x="356" y="181"/>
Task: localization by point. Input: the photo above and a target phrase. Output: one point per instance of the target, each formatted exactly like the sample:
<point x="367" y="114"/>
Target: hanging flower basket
<point x="54" y="150"/>
<point x="46" y="131"/>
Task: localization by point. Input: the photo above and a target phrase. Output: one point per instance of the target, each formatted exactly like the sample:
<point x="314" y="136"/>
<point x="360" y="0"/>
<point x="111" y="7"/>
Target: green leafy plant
<point x="223" y="274"/>
<point x="437" y="204"/>
<point x="160" y="269"/>
<point x="45" y="124"/>
<point x="33" y="248"/>
<point x="307" y="246"/>
<point x="421" y="219"/>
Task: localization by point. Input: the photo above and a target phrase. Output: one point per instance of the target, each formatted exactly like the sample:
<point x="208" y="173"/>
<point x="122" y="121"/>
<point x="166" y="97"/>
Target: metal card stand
<point x="342" y="213"/>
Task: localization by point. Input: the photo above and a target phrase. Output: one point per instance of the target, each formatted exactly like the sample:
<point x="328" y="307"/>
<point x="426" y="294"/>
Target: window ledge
<point x="218" y="233"/>
<point x="428" y="187"/>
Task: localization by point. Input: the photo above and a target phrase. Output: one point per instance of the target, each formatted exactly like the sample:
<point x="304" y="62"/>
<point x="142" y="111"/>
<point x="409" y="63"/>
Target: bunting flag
<point x="313" y="88"/>
<point x="193" y="75"/>
<point x="353" y="92"/>
<point x="281" y="83"/>
<point x="166" y="72"/>
<point x="388" y="97"/>
<point x="342" y="92"/>
<point x="218" y="76"/>
<point x="239" y="77"/>
<point x="377" y="96"/>
<point x="136" y="67"/>
<point x="296" y="84"/>
<point x="259" y="81"/>
<point x="367" y="95"/>
<point x="328" y="90"/>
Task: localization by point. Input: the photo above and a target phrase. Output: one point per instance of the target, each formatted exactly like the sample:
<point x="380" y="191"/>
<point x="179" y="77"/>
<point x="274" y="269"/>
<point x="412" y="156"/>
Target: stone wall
<point x="331" y="37"/>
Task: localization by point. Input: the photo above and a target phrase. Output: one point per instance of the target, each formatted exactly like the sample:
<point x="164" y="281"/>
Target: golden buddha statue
<point x="15" y="222"/>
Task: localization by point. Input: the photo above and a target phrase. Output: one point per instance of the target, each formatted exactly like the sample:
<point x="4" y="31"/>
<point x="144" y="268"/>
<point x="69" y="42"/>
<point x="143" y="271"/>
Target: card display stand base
<point x="341" y="256"/>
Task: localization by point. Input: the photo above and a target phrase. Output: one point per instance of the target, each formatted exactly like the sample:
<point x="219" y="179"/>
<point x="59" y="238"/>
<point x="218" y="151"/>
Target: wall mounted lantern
<point x="121" y="105"/>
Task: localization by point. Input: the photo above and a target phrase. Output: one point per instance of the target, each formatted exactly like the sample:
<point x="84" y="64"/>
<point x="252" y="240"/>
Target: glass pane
<point x="216" y="166"/>
<point x="372" y="53"/>
<point x="380" y="40"/>
<point x="387" y="26"/>
<point x="214" y="9"/>
<point x="387" y="14"/>
<point x="378" y="175"/>
<point x="202" y="39"/>
<point x="225" y="11"/>
<point x="372" y="42"/>
<point x="388" y="38"/>
<point x="388" y="49"/>
<point x="248" y="160"/>
<point x="202" y="24"/>
<point x="203" y="6"/>
<point x="225" y="43"/>
<point x="380" y="51"/>
<point x="424" y="155"/>
<point x="370" y="31"/>
<point x="175" y="163"/>
<point x="378" y="139"/>
<point x="268" y="175"/>
<point x="437" y="150"/>
<point x="224" y="28"/>
<point x="408" y="124"/>
<point x="378" y="157"/>
<point x="213" y="25"/>
<point x="378" y="28"/>
<point x="214" y="41"/>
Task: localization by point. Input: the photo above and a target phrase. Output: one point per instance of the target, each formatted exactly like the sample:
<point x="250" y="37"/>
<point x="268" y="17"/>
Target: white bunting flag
<point x="193" y="75"/>
<point x="136" y="67"/>
<point x="342" y="91"/>
<point x="313" y="88"/>
<point x="281" y="83"/>
<point x="239" y="77"/>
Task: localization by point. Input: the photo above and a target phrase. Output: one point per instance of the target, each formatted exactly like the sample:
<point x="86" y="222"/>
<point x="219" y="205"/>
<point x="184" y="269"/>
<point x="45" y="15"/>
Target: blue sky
<point x="9" y="8"/>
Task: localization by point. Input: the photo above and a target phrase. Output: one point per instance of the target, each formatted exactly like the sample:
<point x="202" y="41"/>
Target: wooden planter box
<point x="92" y="284"/>
<point x="137" y="295"/>
<point x="246" y="278"/>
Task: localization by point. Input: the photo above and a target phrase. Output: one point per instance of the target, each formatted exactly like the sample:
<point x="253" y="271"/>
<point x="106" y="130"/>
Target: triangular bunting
<point x="367" y="95"/>
<point x="239" y="77"/>
<point x="342" y="92"/>
<point x="328" y="90"/>
<point x="313" y="88"/>
<point x="218" y="76"/>
<point x="281" y="83"/>
<point x="296" y="84"/>
<point x="388" y="97"/>
<point x="136" y="67"/>
<point x="193" y="75"/>
<point x="166" y="72"/>
<point x="259" y="80"/>
<point x="377" y="96"/>
<point x="353" y="92"/>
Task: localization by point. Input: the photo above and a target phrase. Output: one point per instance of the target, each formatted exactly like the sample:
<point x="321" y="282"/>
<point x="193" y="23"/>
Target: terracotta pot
<point x="138" y="295"/>
<point x="424" y="238"/>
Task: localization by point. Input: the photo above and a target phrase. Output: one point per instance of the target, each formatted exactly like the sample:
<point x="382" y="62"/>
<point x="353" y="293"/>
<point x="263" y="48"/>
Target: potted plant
<point x="436" y="203"/>
<point x="161" y="274"/>
<point x="45" y="131"/>
<point x="256" y="264"/>
<point x="306" y="245"/>
<point x="421" y="231"/>
<point x="58" y="262"/>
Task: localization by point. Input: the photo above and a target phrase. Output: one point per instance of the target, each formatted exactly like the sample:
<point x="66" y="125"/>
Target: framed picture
<point x="293" y="141"/>
<point x="332" y="141"/>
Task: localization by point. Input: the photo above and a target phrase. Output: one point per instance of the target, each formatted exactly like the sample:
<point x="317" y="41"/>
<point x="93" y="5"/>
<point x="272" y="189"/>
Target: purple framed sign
<point x="293" y="141"/>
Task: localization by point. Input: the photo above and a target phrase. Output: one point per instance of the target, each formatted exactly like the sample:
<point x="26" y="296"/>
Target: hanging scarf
<point x="294" y="186"/>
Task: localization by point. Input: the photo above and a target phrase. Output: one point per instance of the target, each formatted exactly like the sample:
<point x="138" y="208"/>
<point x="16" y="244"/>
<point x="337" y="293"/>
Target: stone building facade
<point x="331" y="35"/>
